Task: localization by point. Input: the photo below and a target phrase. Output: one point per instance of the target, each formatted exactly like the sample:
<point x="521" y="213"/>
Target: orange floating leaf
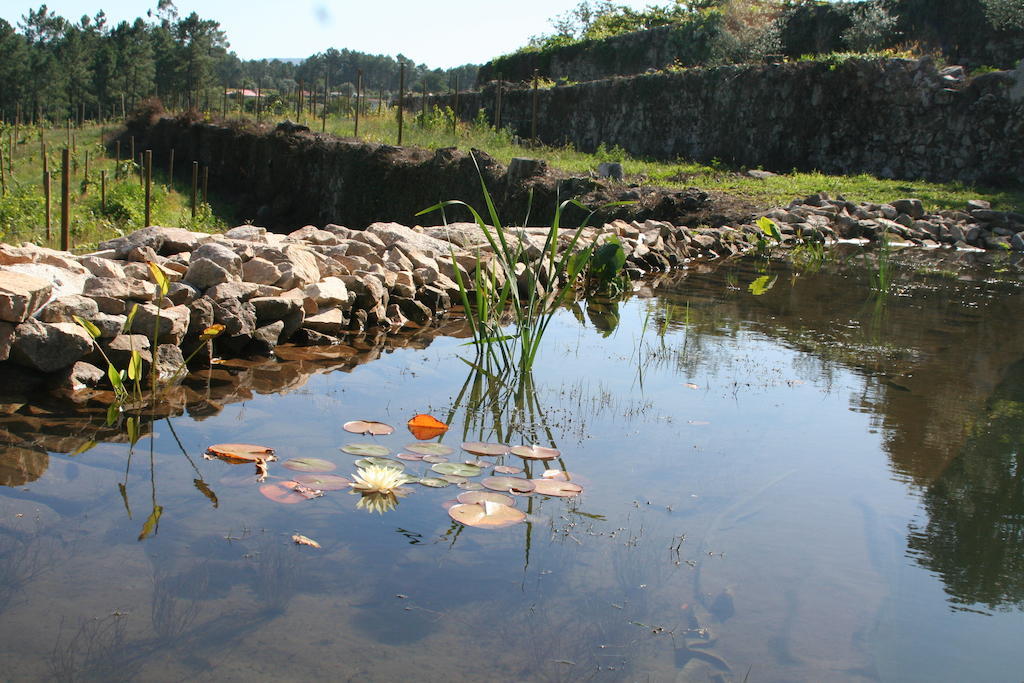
<point x="241" y="452"/>
<point x="556" y="487"/>
<point x="283" y="492"/>
<point x="486" y="515"/>
<point x="425" y="427"/>
<point x="536" y="452"/>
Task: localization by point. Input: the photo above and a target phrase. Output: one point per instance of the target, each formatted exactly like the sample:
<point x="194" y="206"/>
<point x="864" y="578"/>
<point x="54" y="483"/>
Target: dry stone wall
<point x="890" y="118"/>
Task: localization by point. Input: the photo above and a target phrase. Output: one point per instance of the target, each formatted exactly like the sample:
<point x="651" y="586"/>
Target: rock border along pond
<point x="315" y="285"/>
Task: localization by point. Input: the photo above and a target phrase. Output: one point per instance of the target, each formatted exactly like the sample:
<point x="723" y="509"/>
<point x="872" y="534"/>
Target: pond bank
<point x="315" y="285"/>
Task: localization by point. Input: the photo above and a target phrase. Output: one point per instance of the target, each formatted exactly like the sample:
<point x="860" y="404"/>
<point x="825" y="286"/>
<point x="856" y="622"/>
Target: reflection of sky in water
<point x="757" y="522"/>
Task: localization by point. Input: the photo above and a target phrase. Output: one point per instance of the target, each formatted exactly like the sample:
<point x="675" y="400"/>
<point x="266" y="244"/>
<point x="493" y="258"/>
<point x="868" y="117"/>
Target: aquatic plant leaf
<point x="374" y="461"/>
<point x="511" y="484"/>
<point x="411" y="457"/>
<point x="368" y="427"/>
<point x="481" y="496"/>
<point x="160" y="277"/>
<point x="89" y="327"/>
<point x="762" y="284"/>
<point x="507" y="469"/>
<point x="366" y="449"/>
<point x="211" y="332"/>
<point x="556" y="474"/>
<point x="309" y="465"/>
<point x="536" y="452"/>
<point x="485" y="448"/>
<point x="241" y="452"/>
<point x="132" y="426"/>
<point x="454" y="478"/>
<point x="283" y="492"/>
<point x="456" y="468"/>
<point x="88" y="445"/>
<point x="152" y="522"/>
<point x="433" y="482"/>
<point x="430" y="448"/>
<point x="486" y="515"/>
<point x="324" y="482"/>
<point x="470" y="486"/>
<point x="434" y="459"/>
<point x="691" y="385"/>
<point x="556" y="487"/>
<point x="299" y="539"/>
<point x="425" y="427"/>
<point x="135" y="365"/>
<point x="769" y="228"/>
<point x="130" y="319"/>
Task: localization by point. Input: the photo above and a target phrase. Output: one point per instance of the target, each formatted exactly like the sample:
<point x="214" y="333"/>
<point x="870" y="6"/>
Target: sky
<point x="443" y="33"/>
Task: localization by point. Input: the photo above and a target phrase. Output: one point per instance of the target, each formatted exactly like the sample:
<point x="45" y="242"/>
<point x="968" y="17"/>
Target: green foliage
<point x="872" y="27"/>
<point x="1004" y="14"/>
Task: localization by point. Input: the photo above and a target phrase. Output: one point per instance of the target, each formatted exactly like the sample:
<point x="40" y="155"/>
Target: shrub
<point x="872" y="28"/>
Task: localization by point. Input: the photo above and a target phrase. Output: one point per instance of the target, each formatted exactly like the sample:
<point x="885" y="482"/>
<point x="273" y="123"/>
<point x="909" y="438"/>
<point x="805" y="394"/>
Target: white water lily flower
<point x="377" y="502"/>
<point x="378" y="479"/>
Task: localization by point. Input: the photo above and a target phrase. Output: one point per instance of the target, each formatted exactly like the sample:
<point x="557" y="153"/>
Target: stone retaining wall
<point x="889" y="118"/>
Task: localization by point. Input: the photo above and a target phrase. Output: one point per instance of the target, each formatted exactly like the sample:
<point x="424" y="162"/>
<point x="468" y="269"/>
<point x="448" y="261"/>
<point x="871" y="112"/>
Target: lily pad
<point x="366" y="449"/>
<point x="379" y="462"/>
<point x="478" y="463"/>
<point x="512" y="484"/>
<point x="470" y="486"/>
<point x="485" y="448"/>
<point x="486" y="515"/>
<point x="283" y="492"/>
<point x="368" y="427"/>
<point x="434" y="458"/>
<point x="309" y="465"/>
<point x="481" y="496"/>
<point x="430" y="448"/>
<point x="324" y="482"/>
<point x="454" y="479"/>
<point x="507" y="469"/>
<point x="536" y="452"/>
<point x="412" y="457"/>
<point x="241" y="452"/>
<point x="456" y="468"/>
<point x="556" y="487"/>
<point x="433" y="482"/>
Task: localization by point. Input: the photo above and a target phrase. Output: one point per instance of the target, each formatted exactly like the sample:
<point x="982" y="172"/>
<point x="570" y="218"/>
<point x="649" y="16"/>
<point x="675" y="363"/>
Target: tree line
<point x="53" y="68"/>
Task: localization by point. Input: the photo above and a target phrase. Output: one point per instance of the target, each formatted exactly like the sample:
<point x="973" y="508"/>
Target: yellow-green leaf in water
<point x="762" y="284"/>
<point x="124" y="496"/>
<point x="205" y="489"/>
<point x="131" y="317"/>
<point x="132" y="424"/>
<point x="152" y="522"/>
<point x="769" y="227"/>
<point x="135" y="365"/>
<point x="115" y="378"/>
<point x="83" y="448"/>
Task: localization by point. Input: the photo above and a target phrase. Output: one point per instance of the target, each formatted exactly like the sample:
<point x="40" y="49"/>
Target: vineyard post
<point x="65" y="200"/>
<point x="401" y="98"/>
<point x="3" y="175"/>
<point x="455" y="108"/>
<point x="206" y="183"/>
<point x="359" y="90"/>
<point x="195" y="181"/>
<point x="103" y="191"/>
<point x="423" y="105"/>
<point x="533" y="122"/>
<point x="149" y="187"/>
<point x="170" y="170"/>
<point x="49" y="203"/>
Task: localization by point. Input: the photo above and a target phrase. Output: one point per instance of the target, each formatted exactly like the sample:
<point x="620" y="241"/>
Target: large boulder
<point x="48" y="347"/>
<point x="21" y="295"/>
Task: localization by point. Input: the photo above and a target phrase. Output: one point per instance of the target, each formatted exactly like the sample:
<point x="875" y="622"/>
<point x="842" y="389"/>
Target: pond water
<point x="807" y="484"/>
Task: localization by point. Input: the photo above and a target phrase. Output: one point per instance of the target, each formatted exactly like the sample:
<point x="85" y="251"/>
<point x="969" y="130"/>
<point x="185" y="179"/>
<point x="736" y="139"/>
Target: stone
<point x="21" y="295"/>
<point x="81" y="376"/>
<point x="125" y="288"/>
<point x="391" y="234"/>
<point x="6" y="338"/>
<point x="260" y="271"/>
<point x="169" y="359"/>
<point x="168" y="324"/>
<point x="314" y="235"/>
<point x="248" y="233"/>
<point x="912" y="207"/>
<point x="109" y="325"/>
<point x="240" y="290"/>
<point x="200" y="316"/>
<point x="287" y="310"/>
<point x="161" y="240"/>
<point x="331" y="321"/>
<point x="329" y="292"/>
<point x="978" y="204"/>
<point x="204" y="273"/>
<point x="299" y="267"/>
<point x="610" y="169"/>
<point x="238" y="318"/>
<point x="61" y="309"/>
<point x="464" y="235"/>
<point x="102" y="267"/>
<point x="223" y="256"/>
<point x="522" y="168"/>
<point x="266" y="338"/>
<point x="1017" y="241"/>
<point x="48" y="347"/>
<point x="62" y="281"/>
<point x="182" y="293"/>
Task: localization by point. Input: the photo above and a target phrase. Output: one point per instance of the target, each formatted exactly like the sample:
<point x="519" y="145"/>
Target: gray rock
<point x="330" y="321"/>
<point x="6" y="339"/>
<point x="391" y="234"/>
<point x="223" y="256"/>
<point x="912" y="207"/>
<point x="163" y="325"/>
<point x="610" y="169"/>
<point x="61" y="309"/>
<point x="314" y="235"/>
<point x="265" y="338"/>
<point x="102" y="267"/>
<point x="204" y="273"/>
<point x="81" y="376"/>
<point x="109" y="325"/>
<point x="248" y="233"/>
<point x="978" y="204"/>
<point x="182" y="293"/>
<point x="238" y="318"/>
<point x="414" y="310"/>
<point x="21" y="295"/>
<point x="260" y="271"/>
<point x="160" y="239"/>
<point x="48" y="347"/>
<point x="240" y="290"/>
<point x="126" y="288"/>
<point x="329" y="292"/>
<point x="169" y="360"/>
<point x="299" y="267"/>
<point x="1017" y="241"/>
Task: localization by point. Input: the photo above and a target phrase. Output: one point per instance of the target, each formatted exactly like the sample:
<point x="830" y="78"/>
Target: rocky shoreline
<point x="316" y="285"/>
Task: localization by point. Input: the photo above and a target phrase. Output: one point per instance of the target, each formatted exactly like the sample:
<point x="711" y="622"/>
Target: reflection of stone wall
<point x="891" y="118"/>
<point x="20" y="464"/>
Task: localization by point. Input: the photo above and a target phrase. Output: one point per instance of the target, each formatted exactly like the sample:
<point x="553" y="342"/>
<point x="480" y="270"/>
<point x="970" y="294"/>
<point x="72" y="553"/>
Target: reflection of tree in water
<point x="974" y="538"/>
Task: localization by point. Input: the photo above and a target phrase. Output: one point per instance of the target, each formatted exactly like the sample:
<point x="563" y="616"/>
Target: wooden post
<point x="3" y="174"/>
<point x="195" y="181"/>
<point x="455" y="108"/>
<point x="380" y="102"/>
<point x="10" y="154"/>
<point x="17" y="124"/>
<point x="103" y="191"/>
<point x="401" y="98"/>
<point x="149" y="187"/>
<point x="533" y="122"/>
<point x="497" y="105"/>
<point x="423" y="105"/>
<point x="65" y="201"/>
<point x="131" y="147"/>
<point x="224" y="104"/>
<point x="259" y="101"/>
<point x="298" y="103"/>
<point x="49" y="204"/>
<point x="86" y="167"/>
<point x="359" y="90"/>
<point x="69" y="133"/>
<point x="117" y="158"/>
<point x="170" y="170"/>
<point x="206" y="184"/>
<point x="323" y="127"/>
<point x="123" y="114"/>
<point x="142" y="170"/>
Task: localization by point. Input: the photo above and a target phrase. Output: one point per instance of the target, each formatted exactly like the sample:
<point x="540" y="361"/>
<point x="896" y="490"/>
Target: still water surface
<point x="809" y="484"/>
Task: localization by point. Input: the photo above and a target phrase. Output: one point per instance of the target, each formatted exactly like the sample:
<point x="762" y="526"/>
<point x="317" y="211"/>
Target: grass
<point x="23" y="204"/>
<point x="779" y="190"/>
